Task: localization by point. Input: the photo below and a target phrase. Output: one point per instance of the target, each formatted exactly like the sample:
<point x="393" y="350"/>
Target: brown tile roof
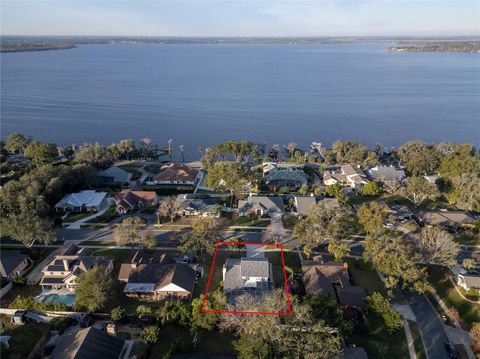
<point x="319" y="278"/>
<point x="175" y="172"/>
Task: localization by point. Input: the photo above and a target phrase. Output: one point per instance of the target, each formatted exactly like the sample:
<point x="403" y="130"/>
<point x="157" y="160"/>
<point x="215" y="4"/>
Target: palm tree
<point x="200" y="151"/>
<point x="182" y="147"/>
<point x="170" y="148"/>
<point x="291" y="148"/>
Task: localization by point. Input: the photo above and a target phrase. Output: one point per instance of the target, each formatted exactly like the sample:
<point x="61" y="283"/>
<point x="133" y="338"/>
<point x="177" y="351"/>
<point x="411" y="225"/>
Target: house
<point x="332" y="278"/>
<point x="267" y="167"/>
<point x="142" y="257"/>
<point x="399" y="211"/>
<point x="447" y="219"/>
<point x="131" y="200"/>
<point x="293" y="178"/>
<point x="174" y="174"/>
<point x="64" y="269"/>
<point x="348" y="175"/>
<point x="247" y="275"/>
<point x="468" y="281"/>
<point x="89" y="343"/>
<point x="303" y="205"/>
<point x="262" y="205"/>
<point x="83" y="201"/>
<point x="13" y="263"/>
<point x="157" y="278"/>
<point x="386" y="174"/>
<point x="115" y="175"/>
<point x="193" y="205"/>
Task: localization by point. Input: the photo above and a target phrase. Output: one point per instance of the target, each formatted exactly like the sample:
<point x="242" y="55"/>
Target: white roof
<point x="88" y="198"/>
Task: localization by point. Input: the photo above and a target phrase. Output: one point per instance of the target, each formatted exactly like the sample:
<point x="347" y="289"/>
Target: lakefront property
<point x="361" y="243"/>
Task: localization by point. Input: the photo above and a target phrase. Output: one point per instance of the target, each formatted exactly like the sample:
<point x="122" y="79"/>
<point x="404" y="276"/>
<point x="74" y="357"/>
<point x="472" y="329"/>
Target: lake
<point x="205" y="94"/>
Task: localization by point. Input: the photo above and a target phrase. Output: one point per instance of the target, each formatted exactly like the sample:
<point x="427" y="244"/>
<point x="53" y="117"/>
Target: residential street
<point x="430" y="325"/>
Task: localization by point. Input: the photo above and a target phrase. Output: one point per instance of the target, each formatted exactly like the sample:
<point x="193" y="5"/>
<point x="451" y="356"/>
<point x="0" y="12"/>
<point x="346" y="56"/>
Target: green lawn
<point x="208" y="342"/>
<point x="247" y="222"/>
<point x="118" y="255"/>
<point x="378" y="342"/>
<point x="364" y="276"/>
<point x="23" y="337"/>
<point x="106" y="217"/>
<point x="72" y="217"/>
<point x="18" y="290"/>
<point x="469" y="312"/>
<point x="471" y="238"/>
<point x="417" y="340"/>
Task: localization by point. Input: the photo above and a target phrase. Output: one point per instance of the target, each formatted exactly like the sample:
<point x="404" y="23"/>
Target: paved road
<point x="430" y="325"/>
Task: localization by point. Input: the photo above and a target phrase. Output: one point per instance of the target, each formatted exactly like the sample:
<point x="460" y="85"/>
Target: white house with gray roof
<point x="247" y="275"/>
<point x="83" y="201"/>
<point x="262" y="205"/>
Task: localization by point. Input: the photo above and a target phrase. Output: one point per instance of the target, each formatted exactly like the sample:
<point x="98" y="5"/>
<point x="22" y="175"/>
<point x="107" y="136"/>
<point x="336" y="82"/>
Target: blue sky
<point x="241" y="17"/>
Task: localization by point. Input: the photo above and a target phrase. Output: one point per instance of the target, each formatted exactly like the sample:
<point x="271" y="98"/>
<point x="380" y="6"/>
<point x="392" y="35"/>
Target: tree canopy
<point x="93" y="289"/>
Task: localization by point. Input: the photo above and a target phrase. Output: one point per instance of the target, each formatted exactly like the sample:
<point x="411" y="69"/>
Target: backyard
<point x="469" y="312"/>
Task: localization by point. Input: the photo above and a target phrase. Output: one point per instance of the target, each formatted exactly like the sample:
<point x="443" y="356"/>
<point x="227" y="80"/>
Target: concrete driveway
<point x="430" y="324"/>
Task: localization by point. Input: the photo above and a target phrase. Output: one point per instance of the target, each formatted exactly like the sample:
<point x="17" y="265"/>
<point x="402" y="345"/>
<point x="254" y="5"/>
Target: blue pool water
<point x="67" y="299"/>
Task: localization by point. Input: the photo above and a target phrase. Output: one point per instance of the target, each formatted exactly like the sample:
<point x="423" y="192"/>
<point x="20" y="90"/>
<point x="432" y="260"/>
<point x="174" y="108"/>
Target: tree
<point x="125" y="149"/>
<point x="205" y="233"/>
<point x="381" y="306"/>
<point x="371" y="217"/>
<point x="208" y="320"/>
<point x="338" y="249"/>
<point x="291" y="149"/>
<point x="372" y="188"/>
<point x="94" y="155"/>
<point x="147" y="239"/>
<point x="418" y="158"/>
<point x="462" y="159"/>
<point x="175" y="311"/>
<point x="150" y="334"/>
<point x="117" y="313"/>
<point x="465" y="192"/>
<point x="169" y="207"/>
<point x="230" y="176"/>
<point x="324" y="222"/>
<point x="93" y="289"/>
<point x="16" y="142"/>
<point x="273" y="233"/>
<point x="41" y="153"/>
<point x="129" y="231"/>
<point x="469" y="263"/>
<point x="27" y="228"/>
<point x="397" y="259"/>
<point x="437" y="246"/>
<point x="170" y="148"/>
<point x="418" y="189"/>
<point x="249" y="347"/>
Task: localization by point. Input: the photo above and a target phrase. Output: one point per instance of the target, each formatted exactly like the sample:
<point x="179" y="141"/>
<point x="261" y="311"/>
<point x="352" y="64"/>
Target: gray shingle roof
<point x="88" y="343"/>
<point x="117" y="174"/>
<point x="272" y="205"/>
<point x="250" y="267"/>
<point x="303" y="204"/>
<point x="386" y="173"/>
<point x="9" y="260"/>
<point x="88" y="198"/>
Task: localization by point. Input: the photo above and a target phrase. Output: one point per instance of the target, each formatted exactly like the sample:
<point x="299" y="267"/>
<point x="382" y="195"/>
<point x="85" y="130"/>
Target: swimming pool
<point x="67" y="299"/>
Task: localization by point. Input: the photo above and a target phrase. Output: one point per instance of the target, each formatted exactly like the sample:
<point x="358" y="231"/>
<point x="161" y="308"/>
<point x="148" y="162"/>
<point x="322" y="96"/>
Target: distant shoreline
<point x="11" y="44"/>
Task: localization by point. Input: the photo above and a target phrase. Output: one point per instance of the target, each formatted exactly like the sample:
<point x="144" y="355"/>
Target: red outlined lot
<point x="212" y="267"/>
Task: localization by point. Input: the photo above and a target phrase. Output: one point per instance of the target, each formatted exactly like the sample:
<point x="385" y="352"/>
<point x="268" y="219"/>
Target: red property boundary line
<point x="288" y="312"/>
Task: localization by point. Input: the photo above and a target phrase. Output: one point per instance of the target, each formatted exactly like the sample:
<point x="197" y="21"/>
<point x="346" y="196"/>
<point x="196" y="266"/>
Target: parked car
<point x="189" y="259"/>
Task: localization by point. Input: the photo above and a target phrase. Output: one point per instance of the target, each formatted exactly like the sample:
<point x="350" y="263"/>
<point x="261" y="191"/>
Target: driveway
<point x="430" y="325"/>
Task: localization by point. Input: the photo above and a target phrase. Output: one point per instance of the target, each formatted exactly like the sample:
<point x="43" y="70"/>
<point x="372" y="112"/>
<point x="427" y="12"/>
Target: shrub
<point x="143" y="310"/>
<point x="150" y="334"/>
<point x="118" y="313"/>
<point x="472" y="294"/>
<point x="60" y="323"/>
<point x="19" y="280"/>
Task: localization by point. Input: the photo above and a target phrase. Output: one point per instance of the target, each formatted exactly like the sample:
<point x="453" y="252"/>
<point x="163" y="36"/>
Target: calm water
<point x="204" y="94"/>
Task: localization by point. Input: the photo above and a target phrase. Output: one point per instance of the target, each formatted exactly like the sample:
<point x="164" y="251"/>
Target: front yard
<point x="469" y="312"/>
